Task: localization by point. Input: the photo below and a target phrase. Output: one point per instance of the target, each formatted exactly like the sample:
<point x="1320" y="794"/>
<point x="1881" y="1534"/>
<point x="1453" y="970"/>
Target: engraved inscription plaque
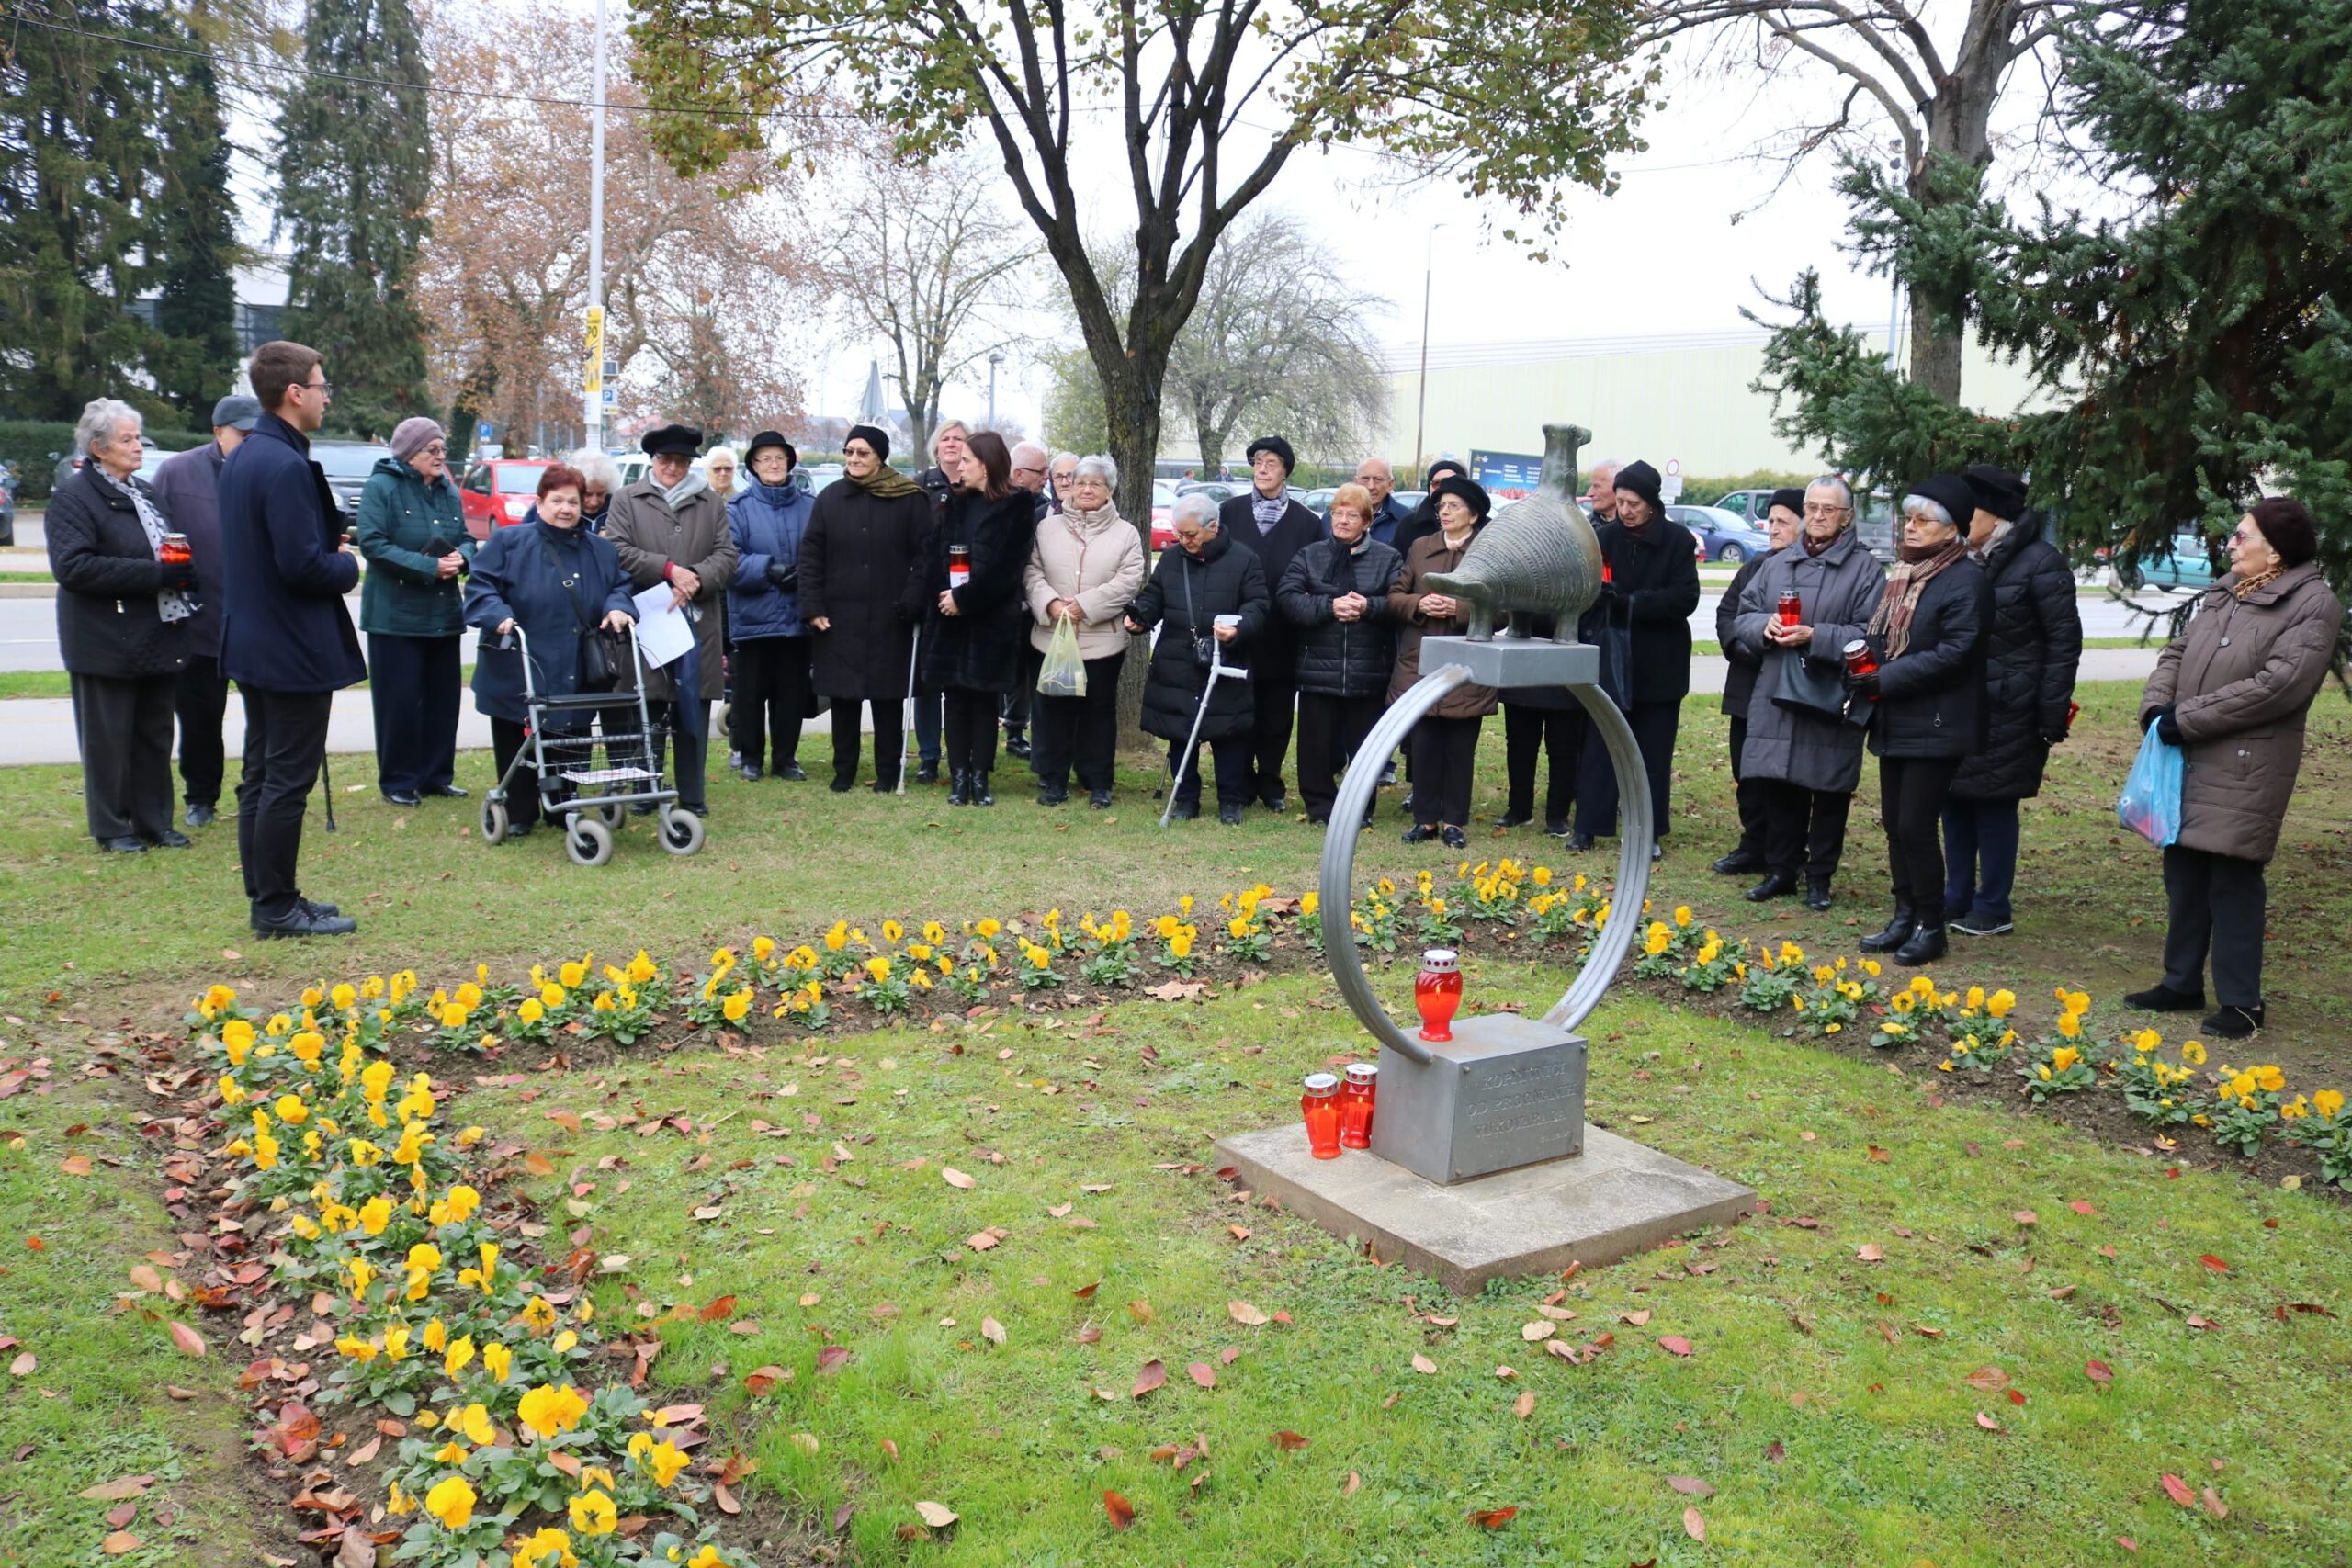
<point x="1509" y="1091"/>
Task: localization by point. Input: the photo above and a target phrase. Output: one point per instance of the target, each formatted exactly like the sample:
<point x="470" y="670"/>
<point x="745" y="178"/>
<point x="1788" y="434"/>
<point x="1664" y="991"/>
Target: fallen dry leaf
<point x="724" y="1498"/>
<point x="1674" y="1344"/>
<point x="1532" y="1332"/>
<point x="120" y="1541"/>
<point x="2177" y="1490"/>
<point x="954" y="1177"/>
<point x="1247" y="1316"/>
<point x="1153" y="1375"/>
<point x="1637" y="1319"/>
<point x="1354" y="1481"/>
<point x="2213" y="1262"/>
<point x="1202" y="1374"/>
<point x="1988" y="1379"/>
<point x="1289" y="1440"/>
<point x="119" y="1490"/>
<point x="2098" y="1372"/>
<point x="1694" y="1524"/>
<point x="1987" y="1422"/>
<point x="1122" y="1512"/>
<point x="1492" y="1518"/>
<point x="1524" y="1405"/>
<point x="187" y="1338"/>
<point x="1871" y="1252"/>
<point x="1424" y="1365"/>
<point x="1689" y="1486"/>
<point x="938" y="1516"/>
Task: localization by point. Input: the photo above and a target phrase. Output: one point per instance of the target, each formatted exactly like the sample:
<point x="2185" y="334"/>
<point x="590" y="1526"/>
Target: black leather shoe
<point x="959" y="789"/>
<point x="2161" y="998"/>
<point x="448" y="792"/>
<point x="173" y="838"/>
<point x="1738" y="863"/>
<point x="398" y="797"/>
<point x="1419" y="833"/>
<point x="1898" y="933"/>
<point x="979" y="789"/>
<point x="1927" y="943"/>
<point x="2234" y="1023"/>
<point x="885" y="786"/>
<point x="1514" y="819"/>
<point x="1816" y="893"/>
<point x="1779" y="885"/>
<point x="750" y="772"/>
<point x="315" y="907"/>
<point x="1099" y="799"/>
<point x="1657" y="851"/>
<point x="199" y="816"/>
<point x="642" y="808"/>
<point x="1184" y="811"/>
<point x="1557" y="828"/>
<point x="126" y="845"/>
<point x="792" y="771"/>
<point x="1318" y="820"/>
<point x="1453" y="838"/>
<point x="518" y="830"/>
<point x="1229" y="815"/>
<point x="1277" y="803"/>
<point x="843" y="783"/>
<point x="1053" y="795"/>
<point x="927" y="774"/>
<point x="1387" y="776"/>
<point x="1016" y="744"/>
<point x="299" y="922"/>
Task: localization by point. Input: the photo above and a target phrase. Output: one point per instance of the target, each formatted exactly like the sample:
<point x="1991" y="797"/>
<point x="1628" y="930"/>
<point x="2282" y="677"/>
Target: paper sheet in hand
<point x="663" y="634"/>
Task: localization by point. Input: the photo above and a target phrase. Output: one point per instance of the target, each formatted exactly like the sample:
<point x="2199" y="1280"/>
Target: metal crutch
<point x="907" y="707"/>
<point x="1218" y="670"/>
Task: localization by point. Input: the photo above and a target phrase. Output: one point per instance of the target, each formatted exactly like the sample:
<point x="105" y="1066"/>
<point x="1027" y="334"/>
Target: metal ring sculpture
<point x="1610" y="944"/>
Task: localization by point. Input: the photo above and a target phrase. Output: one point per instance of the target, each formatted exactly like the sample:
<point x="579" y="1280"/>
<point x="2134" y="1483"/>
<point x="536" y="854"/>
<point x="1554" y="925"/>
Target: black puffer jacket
<point x="109" y="618"/>
<point x="1336" y="657"/>
<point x="1931" y="700"/>
<point x="1655" y="571"/>
<point x="2030" y="657"/>
<point x="1185" y="597"/>
<point x="979" y="648"/>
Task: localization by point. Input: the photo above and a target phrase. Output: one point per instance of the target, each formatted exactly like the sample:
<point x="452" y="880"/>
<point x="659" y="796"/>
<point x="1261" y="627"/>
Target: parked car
<point x="347" y="465"/>
<point x="1217" y="491"/>
<point x="1318" y="502"/>
<point x="2186" y="563"/>
<point x="1751" y="504"/>
<point x="8" y="503"/>
<point x="1725" y="535"/>
<point x="1876" y="525"/>
<point x="1163" y="505"/>
<point x="500" y="492"/>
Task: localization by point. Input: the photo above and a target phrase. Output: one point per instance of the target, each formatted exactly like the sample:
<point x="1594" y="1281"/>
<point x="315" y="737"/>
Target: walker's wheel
<point x="612" y="812"/>
<point x="588" y="841"/>
<point x="493" y="820"/>
<point x="682" y="831"/>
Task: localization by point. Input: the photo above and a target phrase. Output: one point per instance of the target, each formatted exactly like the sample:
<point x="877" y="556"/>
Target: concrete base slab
<point x="1614" y="1198"/>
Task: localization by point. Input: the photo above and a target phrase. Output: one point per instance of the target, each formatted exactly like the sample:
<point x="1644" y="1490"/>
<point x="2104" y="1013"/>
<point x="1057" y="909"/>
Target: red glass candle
<point x="959" y="564"/>
<point x="1860" y="662"/>
<point x="1437" y="991"/>
<point x="1792" y="608"/>
<point x="175" y="551"/>
<point x="1320" y="1105"/>
<point x="1607" y="573"/>
<point x="1356" y="1097"/>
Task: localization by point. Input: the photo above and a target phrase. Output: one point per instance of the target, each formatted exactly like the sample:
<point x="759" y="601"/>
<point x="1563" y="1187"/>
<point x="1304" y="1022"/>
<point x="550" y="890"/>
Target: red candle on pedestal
<point x="1356" y="1097"/>
<point x="1437" y="992"/>
<point x="1320" y="1105"/>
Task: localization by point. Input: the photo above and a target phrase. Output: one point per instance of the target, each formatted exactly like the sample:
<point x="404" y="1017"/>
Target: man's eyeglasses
<point x="1813" y="510"/>
<point x="324" y="388"/>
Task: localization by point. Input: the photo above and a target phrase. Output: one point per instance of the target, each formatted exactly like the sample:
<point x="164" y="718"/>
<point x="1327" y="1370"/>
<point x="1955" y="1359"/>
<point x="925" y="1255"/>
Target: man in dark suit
<point x="1275" y="527"/>
<point x="188" y="486"/>
<point x="285" y="639"/>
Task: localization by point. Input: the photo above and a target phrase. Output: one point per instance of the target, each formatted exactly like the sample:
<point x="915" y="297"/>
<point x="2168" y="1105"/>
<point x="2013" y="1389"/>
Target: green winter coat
<point x="400" y="514"/>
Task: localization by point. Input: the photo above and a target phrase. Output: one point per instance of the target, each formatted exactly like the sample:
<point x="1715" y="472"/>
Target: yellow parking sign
<point x="594" y="383"/>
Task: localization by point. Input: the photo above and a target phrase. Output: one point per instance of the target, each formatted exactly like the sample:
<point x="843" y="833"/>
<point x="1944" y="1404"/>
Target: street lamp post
<point x="996" y="357"/>
<point x="1421" y="390"/>
<point x="592" y="416"/>
<point x="1900" y="169"/>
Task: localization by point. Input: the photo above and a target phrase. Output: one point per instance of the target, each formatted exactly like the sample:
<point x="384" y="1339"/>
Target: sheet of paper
<point x="663" y="633"/>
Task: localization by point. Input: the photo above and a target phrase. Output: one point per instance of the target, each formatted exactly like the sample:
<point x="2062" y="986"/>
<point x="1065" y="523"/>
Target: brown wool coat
<point x="1429" y="555"/>
<point x="650" y="536"/>
<point x="2240" y="681"/>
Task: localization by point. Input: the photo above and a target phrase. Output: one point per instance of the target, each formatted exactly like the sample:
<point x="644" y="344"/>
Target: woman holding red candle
<point x="973" y="617"/>
<point x="1782" y="522"/>
<point x="1804" y="764"/>
<point x="1445" y="743"/>
<point x="1929" y="636"/>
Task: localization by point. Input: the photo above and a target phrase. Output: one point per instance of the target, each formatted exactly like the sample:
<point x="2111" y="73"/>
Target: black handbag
<point x="1807" y="686"/>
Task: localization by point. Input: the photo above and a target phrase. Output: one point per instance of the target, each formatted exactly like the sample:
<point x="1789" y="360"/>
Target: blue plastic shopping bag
<point x="2150" y="804"/>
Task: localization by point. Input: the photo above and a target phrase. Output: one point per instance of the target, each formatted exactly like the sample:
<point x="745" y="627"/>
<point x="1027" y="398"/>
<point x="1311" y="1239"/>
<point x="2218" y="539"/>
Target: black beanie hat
<point x="873" y="436"/>
<point x="767" y="438"/>
<point x="1474" y="494"/>
<point x="1278" y="446"/>
<point x="1952" y="494"/>
<point x="1997" y="490"/>
<point x="2287" y="528"/>
<point x="1790" y="496"/>
<point x="1643" y="480"/>
<point x="1442" y="465"/>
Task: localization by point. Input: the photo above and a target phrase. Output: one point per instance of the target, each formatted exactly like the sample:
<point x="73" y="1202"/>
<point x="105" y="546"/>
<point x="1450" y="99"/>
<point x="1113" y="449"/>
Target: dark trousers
<point x="1273" y="700"/>
<point x="1911" y="794"/>
<point x="771" y="698"/>
<point x="414" y="687"/>
<point x="1804" y="829"/>
<point x="970" y="720"/>
<point x="2218" y="903"/>
<point x="525" y="798"/>
<point x="889" y="720"/>
<point x="1331" y="729"/>
<point x="1233" y="757"/>
<point x="1020" y="704"/>
<point x="1980" y="857"/>
<point x="1445" y="751"/>
<point x="1654" y="726"/>
<point x="694" y="792"/>
<point x="124" y="727"/>
<point x="1530" y="732"/>
<point x="1748" y="795"/>
<point x="286" y="739"/>
<point x="1078" y="733"/>
<point x="200" y="697"/>
<point x="927" y="724"/>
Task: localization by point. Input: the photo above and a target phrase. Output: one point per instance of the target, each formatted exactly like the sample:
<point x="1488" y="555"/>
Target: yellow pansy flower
<point x="497" y="1360"/>
<point x="451" y="1501"/>
<point x="474" y="1422"/>
<point x="547" y="1409"/>
<point x="592" y="1514"/>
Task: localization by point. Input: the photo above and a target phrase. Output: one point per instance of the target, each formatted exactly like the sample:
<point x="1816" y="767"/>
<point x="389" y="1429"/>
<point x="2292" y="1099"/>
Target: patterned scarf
<point x="1268" y="510"/>
<point x="1904" y="585"/>
<point x="170" y="603"/>
<point x="885" y="483"/>
<point x="2260" y="579"/>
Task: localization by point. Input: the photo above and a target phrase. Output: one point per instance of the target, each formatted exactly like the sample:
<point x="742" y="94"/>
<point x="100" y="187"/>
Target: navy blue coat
<point x="283" y="624"/>
<point x="188" y="487"/>
<point x="519" y="573"/>
<point x="766" y="522"/>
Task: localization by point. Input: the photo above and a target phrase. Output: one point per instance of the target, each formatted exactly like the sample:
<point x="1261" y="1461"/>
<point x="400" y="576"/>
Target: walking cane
<point x="907" y="708"/>
<point x="326" y="782"/>
<point x="1218" y="670"/>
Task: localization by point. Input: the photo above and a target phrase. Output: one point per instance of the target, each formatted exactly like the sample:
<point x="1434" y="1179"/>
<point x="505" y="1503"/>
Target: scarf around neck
<point x="1268" y="510"/>
<point x="2259" y="580"/>
<point x="171" y="604"/>
<point x="1904" y="584"/>
<point x="686" y="489"/>
<point x="885" y="483"/>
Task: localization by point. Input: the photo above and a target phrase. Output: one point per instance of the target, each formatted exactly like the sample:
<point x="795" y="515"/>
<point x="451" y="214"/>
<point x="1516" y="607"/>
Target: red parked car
<point x="500" y="492"/>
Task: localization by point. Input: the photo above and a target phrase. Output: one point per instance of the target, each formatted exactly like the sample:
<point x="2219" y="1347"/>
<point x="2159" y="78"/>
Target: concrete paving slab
<point x="1615" y="1199"/>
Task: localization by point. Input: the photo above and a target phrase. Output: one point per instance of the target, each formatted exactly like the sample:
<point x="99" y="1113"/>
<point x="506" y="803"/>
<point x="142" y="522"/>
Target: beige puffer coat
<point x="2239" y="682"/>
<point x="1096" y="559"/>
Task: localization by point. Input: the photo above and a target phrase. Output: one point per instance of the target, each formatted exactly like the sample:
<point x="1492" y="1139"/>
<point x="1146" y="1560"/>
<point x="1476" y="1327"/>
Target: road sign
<point x="482" y="431"/>
<point x="1670" y="488"/>
<point x="610" y="396"/>
<point x="595" y="358"/>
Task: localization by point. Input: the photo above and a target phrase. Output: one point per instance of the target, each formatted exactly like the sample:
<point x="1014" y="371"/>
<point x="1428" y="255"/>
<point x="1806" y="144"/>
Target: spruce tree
<point x="195" y="314"/>
<point x="356" y="172"/>
<point x="2195" y="351"/>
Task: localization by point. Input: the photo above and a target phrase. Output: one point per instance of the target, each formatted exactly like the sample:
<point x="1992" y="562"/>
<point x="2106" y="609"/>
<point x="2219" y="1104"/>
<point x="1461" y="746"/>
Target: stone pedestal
<point x="1505" y="1091"/>
<point x="1613" y="1199"/>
